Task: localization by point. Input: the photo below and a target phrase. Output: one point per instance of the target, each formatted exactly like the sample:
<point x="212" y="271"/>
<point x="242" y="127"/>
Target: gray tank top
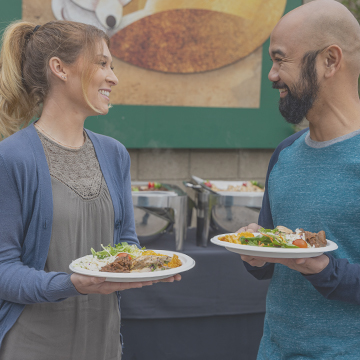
<point x="85" y="326"/>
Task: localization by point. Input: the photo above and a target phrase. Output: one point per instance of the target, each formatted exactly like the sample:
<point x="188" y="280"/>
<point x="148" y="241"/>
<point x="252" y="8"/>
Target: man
<point x="313" y="182"/>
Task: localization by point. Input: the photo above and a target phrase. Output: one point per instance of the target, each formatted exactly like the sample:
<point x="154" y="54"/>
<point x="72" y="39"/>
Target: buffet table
<point x="215" y="312"/>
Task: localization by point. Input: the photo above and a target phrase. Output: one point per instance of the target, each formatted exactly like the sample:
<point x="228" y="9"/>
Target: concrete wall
<point x="173" y="166"/>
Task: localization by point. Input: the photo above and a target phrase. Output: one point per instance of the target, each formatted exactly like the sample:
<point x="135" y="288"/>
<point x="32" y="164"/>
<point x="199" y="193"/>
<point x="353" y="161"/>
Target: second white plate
<point x="262" y="251"/>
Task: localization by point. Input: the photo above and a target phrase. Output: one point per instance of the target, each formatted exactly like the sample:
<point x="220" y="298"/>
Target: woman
<point x="63" y="190"/>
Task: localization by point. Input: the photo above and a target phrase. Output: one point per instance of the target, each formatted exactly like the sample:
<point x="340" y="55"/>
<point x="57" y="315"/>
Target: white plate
<point x="273" y="252"/>
<point x="187" y="264"/>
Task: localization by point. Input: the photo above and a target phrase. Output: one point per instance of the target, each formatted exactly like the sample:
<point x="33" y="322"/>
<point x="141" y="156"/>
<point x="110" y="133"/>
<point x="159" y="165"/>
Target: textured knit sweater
<point x="26" y="211"/>
<point x="315" y="186"/>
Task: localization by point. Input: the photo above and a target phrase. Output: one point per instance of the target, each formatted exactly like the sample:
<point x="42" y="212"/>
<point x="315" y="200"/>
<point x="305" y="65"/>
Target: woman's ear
<point x="57" y="68"/>
<point x="332" y="58"/>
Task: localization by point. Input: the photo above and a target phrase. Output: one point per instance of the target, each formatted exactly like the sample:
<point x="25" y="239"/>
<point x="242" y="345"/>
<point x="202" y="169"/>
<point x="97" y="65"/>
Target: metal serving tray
<point x="224" y="212"/>
<point x="157" y="212"/>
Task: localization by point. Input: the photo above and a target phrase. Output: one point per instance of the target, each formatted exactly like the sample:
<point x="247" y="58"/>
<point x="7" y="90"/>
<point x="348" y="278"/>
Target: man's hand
<point x="95" y="285"/>
<point x="306" y="266"/>
<point x="250" y="228"/>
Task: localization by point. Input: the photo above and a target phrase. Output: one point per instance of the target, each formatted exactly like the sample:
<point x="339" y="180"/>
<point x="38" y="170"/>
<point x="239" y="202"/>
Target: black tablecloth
<point x="215" y="312"/>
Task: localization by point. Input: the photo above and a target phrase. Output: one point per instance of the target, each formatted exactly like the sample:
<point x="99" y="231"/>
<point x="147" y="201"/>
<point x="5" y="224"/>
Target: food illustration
<point x="280" y="237"/>
<point x="217" y="44"/>
<point x="190" y="36"/>
<point x="104" y="14"/>
<point x="245" y="186"/>
<point x="125" y="258"/>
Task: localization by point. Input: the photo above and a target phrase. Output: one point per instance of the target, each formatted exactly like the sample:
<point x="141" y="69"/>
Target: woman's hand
<point x="176" y="277"/>
<point x="95" y="285"/>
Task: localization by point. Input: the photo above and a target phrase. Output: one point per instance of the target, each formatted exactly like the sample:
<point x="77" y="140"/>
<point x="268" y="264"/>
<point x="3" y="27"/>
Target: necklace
<point x="58" y="142"/>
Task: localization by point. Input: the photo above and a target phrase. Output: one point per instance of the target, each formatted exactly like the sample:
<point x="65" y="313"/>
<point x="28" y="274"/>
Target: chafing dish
<point x="224" y="212"/>
<point x="157" y="212"/>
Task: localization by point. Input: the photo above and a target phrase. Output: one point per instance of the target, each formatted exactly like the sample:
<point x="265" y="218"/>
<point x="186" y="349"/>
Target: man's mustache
<point x="279" y="85"/>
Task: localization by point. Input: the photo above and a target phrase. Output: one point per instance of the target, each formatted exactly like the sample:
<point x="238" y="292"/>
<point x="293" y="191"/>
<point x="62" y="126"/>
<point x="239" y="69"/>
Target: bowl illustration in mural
<point x="104" y="14"/>
<point x="190" y="36"/>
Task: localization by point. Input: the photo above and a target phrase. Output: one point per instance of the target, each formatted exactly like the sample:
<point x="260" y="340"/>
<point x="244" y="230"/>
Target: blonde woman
<point x="63" y="190"/>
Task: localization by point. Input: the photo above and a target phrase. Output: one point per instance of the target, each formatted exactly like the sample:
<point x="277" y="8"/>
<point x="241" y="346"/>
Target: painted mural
<point x="204" y="53"/>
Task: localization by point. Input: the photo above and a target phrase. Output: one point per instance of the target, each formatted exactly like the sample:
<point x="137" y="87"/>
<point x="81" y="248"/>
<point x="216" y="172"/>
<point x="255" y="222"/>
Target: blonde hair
<point x="24" y="66"/>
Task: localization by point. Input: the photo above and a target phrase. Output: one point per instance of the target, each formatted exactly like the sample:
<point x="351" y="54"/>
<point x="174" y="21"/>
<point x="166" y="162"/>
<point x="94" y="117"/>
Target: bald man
<point x="313" y="182"/>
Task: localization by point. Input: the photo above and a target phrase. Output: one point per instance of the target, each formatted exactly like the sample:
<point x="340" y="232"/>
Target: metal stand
<point x="171" y="206"/>
<point x="223" y="213"/>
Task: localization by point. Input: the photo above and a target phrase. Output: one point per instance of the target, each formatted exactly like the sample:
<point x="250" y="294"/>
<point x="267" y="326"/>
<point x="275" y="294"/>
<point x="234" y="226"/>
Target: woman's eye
<point x="112" y="68"/>
<point x="103" y="63"/>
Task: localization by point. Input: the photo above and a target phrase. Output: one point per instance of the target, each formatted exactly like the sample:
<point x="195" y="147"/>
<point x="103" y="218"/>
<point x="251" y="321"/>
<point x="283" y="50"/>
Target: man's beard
<point x="300" y="99"/>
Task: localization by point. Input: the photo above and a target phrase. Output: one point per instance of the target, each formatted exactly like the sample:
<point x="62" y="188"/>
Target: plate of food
<point x="128" y="263"/>
<point x="232" y="188"/>
<point x="151" y="189"/>
<point x="280" y="242"/>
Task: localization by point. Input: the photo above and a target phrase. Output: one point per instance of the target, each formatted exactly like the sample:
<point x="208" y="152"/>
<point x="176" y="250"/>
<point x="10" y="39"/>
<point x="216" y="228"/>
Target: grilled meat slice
<point x="284" y="229"/>
<point x="316" y="239"/>
<point x="119" y="265"/>
<point x="149" y="260"/>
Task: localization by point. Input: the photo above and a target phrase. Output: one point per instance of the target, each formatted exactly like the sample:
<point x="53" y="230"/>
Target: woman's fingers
<point x="94" y="285"/>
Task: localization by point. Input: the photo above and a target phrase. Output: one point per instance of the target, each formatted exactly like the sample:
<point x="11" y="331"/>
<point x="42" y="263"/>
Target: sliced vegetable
<point x="122" y="254"/>
<point x="256" y="183"/>
<point x="123" y="247"/>
<point x="157" y="185"/>
<point x="300" y="243"/>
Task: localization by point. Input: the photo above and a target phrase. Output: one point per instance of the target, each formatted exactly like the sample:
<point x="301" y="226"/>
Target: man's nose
<point x="273" y="74"/>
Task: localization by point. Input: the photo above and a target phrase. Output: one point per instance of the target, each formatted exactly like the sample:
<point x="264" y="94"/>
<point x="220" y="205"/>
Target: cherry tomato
<point x="208" y="184"/>
<point x="300" y="243"/>
<point x="123" y="255"/>
<point x="150" y="185"/>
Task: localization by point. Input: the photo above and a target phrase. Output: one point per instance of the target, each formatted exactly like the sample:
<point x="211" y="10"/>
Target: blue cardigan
<point x="26" y="213"/>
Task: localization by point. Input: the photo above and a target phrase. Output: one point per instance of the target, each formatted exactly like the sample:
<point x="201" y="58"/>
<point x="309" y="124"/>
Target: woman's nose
<point x="112" y="79"/>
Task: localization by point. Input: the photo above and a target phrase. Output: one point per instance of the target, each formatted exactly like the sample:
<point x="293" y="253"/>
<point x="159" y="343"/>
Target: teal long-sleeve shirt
<point x="26" y="210"/>
<point x="315" y="186"/>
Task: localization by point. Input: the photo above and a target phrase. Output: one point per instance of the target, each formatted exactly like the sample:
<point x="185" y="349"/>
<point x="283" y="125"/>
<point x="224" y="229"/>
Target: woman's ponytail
<point x="17" y="103"/>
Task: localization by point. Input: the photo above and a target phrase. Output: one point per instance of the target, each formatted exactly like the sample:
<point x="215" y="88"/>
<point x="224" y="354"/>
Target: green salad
<point x="118" y="248"/>
<point x="269" y="238"/>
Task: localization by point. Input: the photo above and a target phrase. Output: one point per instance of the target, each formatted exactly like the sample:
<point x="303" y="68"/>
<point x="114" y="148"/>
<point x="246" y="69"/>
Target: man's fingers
<point x="253" y="261"/>
<point x="250" y="228"/>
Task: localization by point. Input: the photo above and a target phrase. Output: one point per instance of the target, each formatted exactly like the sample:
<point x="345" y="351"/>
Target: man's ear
<point x="332" y="57"/>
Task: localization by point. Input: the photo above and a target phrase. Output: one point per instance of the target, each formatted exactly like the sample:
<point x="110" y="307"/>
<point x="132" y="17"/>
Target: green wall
<point x="189" y="127"/>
